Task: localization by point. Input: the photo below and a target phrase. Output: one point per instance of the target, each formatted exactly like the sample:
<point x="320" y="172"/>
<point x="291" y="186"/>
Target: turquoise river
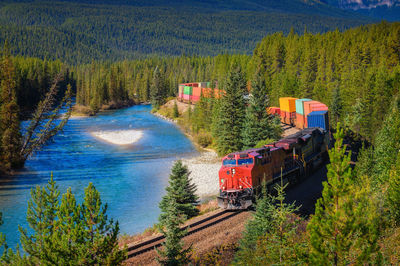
<point x="131" y="178"/>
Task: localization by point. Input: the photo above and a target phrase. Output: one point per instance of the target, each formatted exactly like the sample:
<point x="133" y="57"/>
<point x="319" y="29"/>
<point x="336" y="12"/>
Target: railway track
<point x="202" y="224"/>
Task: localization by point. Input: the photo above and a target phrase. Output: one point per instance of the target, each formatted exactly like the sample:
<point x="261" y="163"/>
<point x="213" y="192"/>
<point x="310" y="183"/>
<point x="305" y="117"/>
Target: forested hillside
<point x="77" y="32"/>
<point x="356" y="73"/>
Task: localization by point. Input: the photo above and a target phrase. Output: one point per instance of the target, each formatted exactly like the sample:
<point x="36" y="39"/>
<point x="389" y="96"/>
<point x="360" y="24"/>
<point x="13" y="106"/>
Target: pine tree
<point x="258" y="123"/>
<point x="336" y="106"/>
<point x="41" y="217"/>
<point x="157" y="89"/>
<point x="285" y="243"/>
<point x="45" y="122"/>
<point x="173" y="252"/>
<point x="231" y="115"/>
<point x="258" y="226"/>
<point x="393" y="193"/>
<point x="100" y="234"/>
<point x="3" y="244"/>
<point x="345" y="216"/>
<point x="387" y="144"/>
<point x="180" y="190"/>
<point x="273" y="237"/>
<point x="68" y="233"/>
<point x="11" y="139"/>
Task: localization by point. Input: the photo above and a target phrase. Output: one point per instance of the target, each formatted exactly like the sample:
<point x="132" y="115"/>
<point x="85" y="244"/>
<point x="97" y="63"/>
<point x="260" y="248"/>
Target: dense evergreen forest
<point x="81" y="31"/>
<point x="356" y="73"/>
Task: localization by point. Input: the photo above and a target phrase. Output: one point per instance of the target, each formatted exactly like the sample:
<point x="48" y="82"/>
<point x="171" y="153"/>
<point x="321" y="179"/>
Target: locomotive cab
<point x="235" y="181"/>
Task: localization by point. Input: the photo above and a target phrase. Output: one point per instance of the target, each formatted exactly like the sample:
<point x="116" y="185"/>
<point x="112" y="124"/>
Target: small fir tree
<point x="175" y="111"/>
<point x="273" y="236"/>
<point x="182" y="191"/>
<point x="173" y="252"/>
<point x="345" y="216"/>
<point x="285" y="243"/>
<point x="3" y="243"/>
<point x="258" y="226"/>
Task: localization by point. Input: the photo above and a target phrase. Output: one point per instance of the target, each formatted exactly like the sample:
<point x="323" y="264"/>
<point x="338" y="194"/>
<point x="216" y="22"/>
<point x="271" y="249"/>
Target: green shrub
<point x="204" y="139"/>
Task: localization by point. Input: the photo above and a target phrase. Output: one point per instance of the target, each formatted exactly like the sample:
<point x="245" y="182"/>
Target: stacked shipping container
<point x="274" y="111"/>
<point x="302" y="111"/>
<point x="312" y="106"/>
<point x="288" y="109"/>
<point x="300" y="118"/>
<point x="191" y="92"/>
<point x="318" y="119"/>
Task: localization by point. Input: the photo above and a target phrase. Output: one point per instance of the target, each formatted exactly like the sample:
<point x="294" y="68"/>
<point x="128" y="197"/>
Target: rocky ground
<point x="204" y="172"/>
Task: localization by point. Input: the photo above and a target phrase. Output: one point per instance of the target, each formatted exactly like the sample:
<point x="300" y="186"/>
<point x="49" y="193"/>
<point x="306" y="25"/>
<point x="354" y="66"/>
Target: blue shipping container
<point x="318" y="119"/>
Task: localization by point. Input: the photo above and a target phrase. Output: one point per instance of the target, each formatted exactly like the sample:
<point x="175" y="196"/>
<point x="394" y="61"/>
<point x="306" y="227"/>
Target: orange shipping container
<point x="288" y="104"/>
<point x="313" y="106"/>
<point x="288" y="118"/>
<point x="300" y="121"/>
<point x="274" y="110"/>
<point x="196" y="91"/>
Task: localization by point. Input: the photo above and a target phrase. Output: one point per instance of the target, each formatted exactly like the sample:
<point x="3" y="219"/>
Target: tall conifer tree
<point x="393" y="194"/>
<point x="258" y="123"/>
<point x="231" y="115"/>
<point x="387" y="144"/>
<point x="157" y="88"/>
<point x="345" y="217"/>
<point x="11" y="139"/>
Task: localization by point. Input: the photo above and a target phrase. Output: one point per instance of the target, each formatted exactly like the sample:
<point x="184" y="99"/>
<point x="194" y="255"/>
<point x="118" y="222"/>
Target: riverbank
<point x="86" y="111"/>
<point x="203" y="168"/>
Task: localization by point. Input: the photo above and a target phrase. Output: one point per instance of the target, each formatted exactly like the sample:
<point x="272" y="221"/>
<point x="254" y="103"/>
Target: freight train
<point x="192" y="92"/>
<point x="291" y="158"/>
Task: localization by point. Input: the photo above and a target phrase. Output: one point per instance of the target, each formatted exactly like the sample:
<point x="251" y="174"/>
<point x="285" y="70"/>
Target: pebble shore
<point x="203" y="170"/>
<point x="204" y="173"/>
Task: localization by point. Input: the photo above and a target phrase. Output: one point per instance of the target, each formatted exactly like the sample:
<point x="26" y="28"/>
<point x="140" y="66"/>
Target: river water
<point x="131" y="178"/>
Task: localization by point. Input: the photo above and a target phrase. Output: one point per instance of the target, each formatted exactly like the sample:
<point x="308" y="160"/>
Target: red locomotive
<point x="242" y="173"/>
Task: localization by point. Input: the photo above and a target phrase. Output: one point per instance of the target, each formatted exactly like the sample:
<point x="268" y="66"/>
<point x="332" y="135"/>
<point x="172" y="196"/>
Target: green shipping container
<point x="300" y="106"/>
<point x="208" y="84"/>
<point x="187" y="90"/>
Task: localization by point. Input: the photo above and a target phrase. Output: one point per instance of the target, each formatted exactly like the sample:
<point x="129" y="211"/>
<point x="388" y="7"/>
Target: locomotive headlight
<point x="240" y="187"/>
<point x="233" y="171"/>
